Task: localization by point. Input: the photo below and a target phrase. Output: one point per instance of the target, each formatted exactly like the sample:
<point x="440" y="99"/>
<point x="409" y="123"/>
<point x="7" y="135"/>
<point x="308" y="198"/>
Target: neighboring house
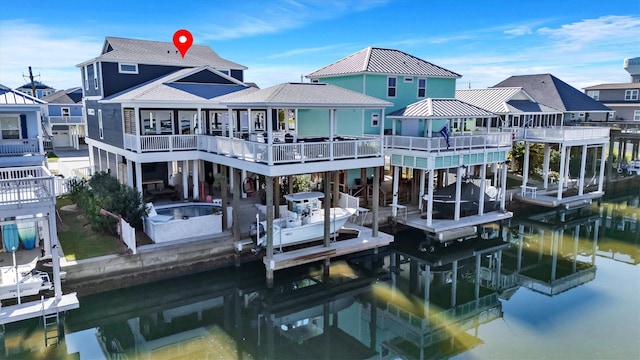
<point x="548" y="90"/>
<point x="387" y="74"/>
<point x="27" y="185"/>
<point x="622" y="98"/>
<point x="41" y="89"/>
<point x="64" y="118"/>
<point x="390" y="75"/>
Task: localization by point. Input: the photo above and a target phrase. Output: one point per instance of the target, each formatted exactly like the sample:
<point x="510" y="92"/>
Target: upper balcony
<point x="65" y="120"/>
<point x="298" y="150"/>
<point x="23" y="188"/>
<point x="567" y="134"/>
<point x="455" y="143"/>
<point x="19" y="147"/>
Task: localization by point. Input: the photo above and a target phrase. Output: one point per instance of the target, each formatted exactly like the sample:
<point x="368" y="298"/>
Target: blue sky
<point x="582" y="42"/>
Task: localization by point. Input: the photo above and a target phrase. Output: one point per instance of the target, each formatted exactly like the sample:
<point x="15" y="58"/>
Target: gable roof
<point x="549" y="90"/>
<point x="14" y="97"/>
<point x="117" y="49"/>
<point x="309" y="95"/>
<point x="171" y="88"/>
<point x="382" y="61"/>
<point x="501" y="100"/>
<point x="440" y="108"/>
<point x="37" y="84"/>
<point x="69" y="96"/>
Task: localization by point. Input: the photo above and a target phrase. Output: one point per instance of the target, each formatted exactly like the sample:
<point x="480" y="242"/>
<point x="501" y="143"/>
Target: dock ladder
<point x="51" y="323"/>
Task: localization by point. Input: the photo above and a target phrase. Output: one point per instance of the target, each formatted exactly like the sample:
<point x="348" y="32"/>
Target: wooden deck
<point x="33" y="309"/>
<point x="549" y="199"/>
<point x="339" y="248"/>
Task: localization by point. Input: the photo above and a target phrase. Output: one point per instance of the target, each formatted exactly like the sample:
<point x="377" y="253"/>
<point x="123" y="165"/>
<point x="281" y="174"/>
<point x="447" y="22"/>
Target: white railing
<point x="566" y="133"/>
<point x="281" y="152"/>
<point x="16" y="147"/>
<point x="456" y="142"/>
<point x="65" y="120"/>
<point x="28" y="184"/>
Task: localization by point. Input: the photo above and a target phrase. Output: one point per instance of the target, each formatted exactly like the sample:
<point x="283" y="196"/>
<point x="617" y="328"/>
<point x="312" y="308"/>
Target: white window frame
<point x="630" y="95"/>
<point x="122" y="71"/>
<point x="594" y="94"/>
<point x="100" y="128"/>
<point x="86" y="77"/>
<point x="63" y="110"/>
<point x="419" y="88"/>
<point x="390" y="87"/>
<point x="636" y="115"/>
<point x="225" y="71"/>
<point x="375" y="120"/>
<point x="95" y="76"/>
<point x="18" y="123"/>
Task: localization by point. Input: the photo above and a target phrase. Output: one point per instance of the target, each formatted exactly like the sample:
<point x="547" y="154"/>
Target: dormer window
<point x="127" y="68"/>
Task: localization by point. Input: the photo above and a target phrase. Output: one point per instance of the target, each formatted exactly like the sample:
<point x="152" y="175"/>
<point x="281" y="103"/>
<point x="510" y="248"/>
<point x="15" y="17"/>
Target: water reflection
<point x="411" y="302"/>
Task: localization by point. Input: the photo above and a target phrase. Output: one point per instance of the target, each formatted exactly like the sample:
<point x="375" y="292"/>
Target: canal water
<point x="554" y="284"/>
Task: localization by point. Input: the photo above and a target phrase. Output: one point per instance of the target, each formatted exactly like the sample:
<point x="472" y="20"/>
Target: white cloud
<point x="51" y="54"/>
<point x="518" y="31"/>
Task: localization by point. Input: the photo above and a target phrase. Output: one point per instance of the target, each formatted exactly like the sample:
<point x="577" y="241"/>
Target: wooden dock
<point x="444" y="227"/>
<point x="38" y="308"/>
<point x="365" y="241"/>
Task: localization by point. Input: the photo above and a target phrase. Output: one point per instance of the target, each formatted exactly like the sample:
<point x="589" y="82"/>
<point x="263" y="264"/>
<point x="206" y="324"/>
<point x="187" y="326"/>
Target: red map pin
<point x="183" y="40"/>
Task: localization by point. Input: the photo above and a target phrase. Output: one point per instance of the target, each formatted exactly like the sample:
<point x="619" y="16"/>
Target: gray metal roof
<point x="308" y="95"/>
<point x="549" y="90"/>
<point x="62" y="97"/>
<point x="440" y="108"/>
<point x="382" y="61"/>
<point x="502" y="100"/>
<point x="14" y="97"/>
<point x="169" y="89"/>
<point x="616" y="86"/>
<point x="117" y="49"/>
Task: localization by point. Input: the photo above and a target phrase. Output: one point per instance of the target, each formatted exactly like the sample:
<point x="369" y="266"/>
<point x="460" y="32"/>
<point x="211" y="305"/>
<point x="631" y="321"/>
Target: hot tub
<point x="184" y="221"/>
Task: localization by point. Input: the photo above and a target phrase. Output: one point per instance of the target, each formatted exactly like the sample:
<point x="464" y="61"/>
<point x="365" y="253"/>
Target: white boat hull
<point x="32" y="282"/>
<point x="294" y="231"/>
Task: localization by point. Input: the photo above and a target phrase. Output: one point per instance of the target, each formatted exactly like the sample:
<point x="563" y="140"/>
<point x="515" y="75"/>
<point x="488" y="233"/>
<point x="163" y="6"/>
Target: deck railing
<point x="566" y="133"/>
<point x="456" y="142"/>
<point x="53" y="120"/>
<point x="17" y="147"/>
<point x="28" y="184"/>
<point x="281" y="152"/>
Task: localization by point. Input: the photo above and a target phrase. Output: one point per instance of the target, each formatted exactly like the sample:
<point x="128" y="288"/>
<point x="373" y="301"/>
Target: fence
<point x="129" y="236"/>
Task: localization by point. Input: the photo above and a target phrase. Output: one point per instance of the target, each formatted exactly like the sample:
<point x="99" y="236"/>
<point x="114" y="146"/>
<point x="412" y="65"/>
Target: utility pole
<point x="33" y="84"/>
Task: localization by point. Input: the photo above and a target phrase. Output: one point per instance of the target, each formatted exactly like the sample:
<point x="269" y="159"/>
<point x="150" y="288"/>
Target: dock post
<point x="269" y="203"/>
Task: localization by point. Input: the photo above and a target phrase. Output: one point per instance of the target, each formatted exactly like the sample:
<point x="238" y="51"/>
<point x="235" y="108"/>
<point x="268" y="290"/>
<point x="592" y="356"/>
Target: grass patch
<point x="76" y="237"/>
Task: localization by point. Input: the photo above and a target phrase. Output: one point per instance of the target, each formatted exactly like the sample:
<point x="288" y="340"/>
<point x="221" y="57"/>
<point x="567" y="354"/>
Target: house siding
<point x="111" y="123"/>
<point x="56" y="110"/>
<point x="119" y="82"/>
<point x="238" y="75"/>
<point x="91" y="91"/>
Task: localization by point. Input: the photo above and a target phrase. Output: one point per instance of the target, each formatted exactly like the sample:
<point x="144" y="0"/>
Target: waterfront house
<point x="146" y="107"/>
<point x="391" y="75"/>
<point x="621" y="98"/>
<point x="532" y="121"/>
<point x="64" y="122"/>
<point x="27" y="196"/>
<point x="41" y="89"/>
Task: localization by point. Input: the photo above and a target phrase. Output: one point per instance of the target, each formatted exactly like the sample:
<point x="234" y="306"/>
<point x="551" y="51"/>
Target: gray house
<point x="622" y="98"/>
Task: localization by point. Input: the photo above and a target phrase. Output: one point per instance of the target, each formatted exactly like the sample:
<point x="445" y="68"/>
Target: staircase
<point x="47" y="140"/>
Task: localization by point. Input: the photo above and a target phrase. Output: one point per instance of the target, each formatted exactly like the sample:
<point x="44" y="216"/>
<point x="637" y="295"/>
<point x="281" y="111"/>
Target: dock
<point x="365" y="241"/>
<point x="34" y="309"/>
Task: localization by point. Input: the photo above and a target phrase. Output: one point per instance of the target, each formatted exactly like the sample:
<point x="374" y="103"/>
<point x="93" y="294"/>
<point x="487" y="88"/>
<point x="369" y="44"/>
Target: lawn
<point x="76" y="237"/>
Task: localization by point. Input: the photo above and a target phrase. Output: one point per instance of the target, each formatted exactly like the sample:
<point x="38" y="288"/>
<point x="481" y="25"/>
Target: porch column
<point x="396" y="180"/>
<point x="421" y="194"/>
<point x="602" y="166"/>
<point x="525" y="167"/>
<point x="243" y="175"/>
<point x="430" y="186"/>
<point x="129" y="172"/>
<point x="269" y="129"/>
<point x="483" y="185"/>
<point x="55" y="254"/>
<point x="195" y="180"/>
<point x="562" y="174"/>
<point x="503" y="186"/>
<point x="610" y="162"/>
<point x="583" y="170"/>
<point x="326" y="179"/>
<point x="224" y="194"/>
<point x="332" y="130"/>
<point x="566" y="165"/>
<point x="235" y="216"/>
<point x="335" y="189"/>
<point x="454" y="282"/>
<point x="139" y="177"/>
<point x="456" y="212"/>
<point x="545" y="166"/>
<point x="185" y="179"/>
<point x="269" y="255"/>
<point x="99" y="160"/>
<point x="376" y="201"/>
<point x="92" y="162"/>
